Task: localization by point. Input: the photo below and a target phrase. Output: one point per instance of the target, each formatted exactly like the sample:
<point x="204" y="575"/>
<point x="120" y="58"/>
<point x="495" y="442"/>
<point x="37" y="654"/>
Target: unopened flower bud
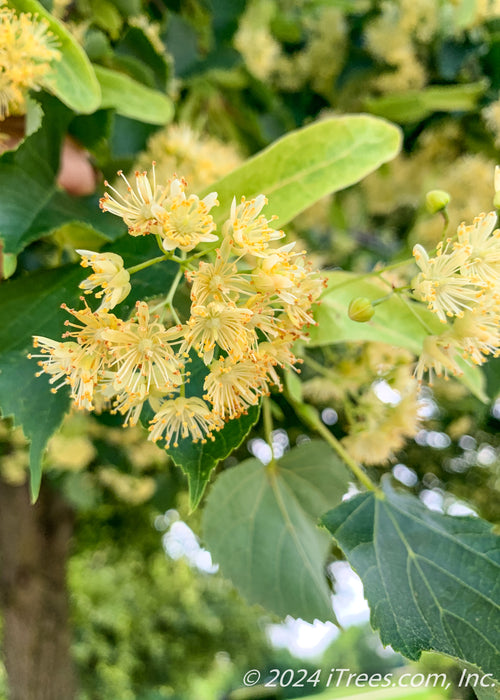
<point x="360" y="310"/>
<point x="436" y="200"/>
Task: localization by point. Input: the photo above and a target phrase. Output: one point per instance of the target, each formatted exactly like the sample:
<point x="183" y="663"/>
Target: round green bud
<point x="360" y="310"/>
<point x="436" y="200"/>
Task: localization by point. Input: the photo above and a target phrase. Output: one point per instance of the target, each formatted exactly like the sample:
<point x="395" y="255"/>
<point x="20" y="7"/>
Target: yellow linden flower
<point x="478" y="333"/>
<point x="276" y="354"/>
<point x="141" y="209"/>
<point x="180" y="221"/>
<point x="108" y="273"/>
<point x="59" y="361"/>
<point x="129" y="403"/>
<point x="264" y="318"/>
<point x="83" y="379"/>
<point x="183" y="417"/>
<point x="219" y="324"/>
<point x="247" y="229"/>
<point x="75" y="366"/>
<point x="218" y="281"/>
<point x="27" y="50"/>
<point x="440" y="283"/>
<point x="438" y="356"/>
<point x="481" y="242"/>
<point x="187" y="221"/>
<point x="141" y="349"/>
<point x="91" y="330"/>
<point x="278" y="274"/>
<point x="231" y="387"/>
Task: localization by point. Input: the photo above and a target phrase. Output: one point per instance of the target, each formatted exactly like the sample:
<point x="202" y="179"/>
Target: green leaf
<point x="62" y="209"/>
<point x="72" y="78"/>
<point x="492" y="373"/>
<point x="416" y="105"/>
<point x="198" y="460"/>
<point x="27" y="176"/>
<point x="260" y="525"/>
<point x="303" y="166"/>
<point x="106" y="16"/>
<point x="486" y="693"/>
<point x="31" y="203"/>
<point x="432" y="581"/>
<point x="395" y="322"/>
<point x="31" y="306"/>
<point x="132" y="99"/>
<point x="33" y="118"/>
<point x="135" y="44"/>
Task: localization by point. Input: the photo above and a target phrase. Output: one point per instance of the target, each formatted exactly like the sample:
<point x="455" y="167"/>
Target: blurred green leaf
<point x="133" y="100"/>
<point x="260" y="526"/>
<point x="72" y="78"/>
<point x="137" y="46"/>
<point x="432" y="581"/>
<point x="305" y="165"/>
<point x="395" y="322"/>
<point x="415" y="105"/>
<point x="492" y="373"/>
<point x="106" y="16"/>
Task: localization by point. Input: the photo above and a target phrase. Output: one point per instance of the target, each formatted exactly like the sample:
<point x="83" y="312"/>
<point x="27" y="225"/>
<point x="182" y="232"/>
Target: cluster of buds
<point x="461" y="285"/>
<point x="249" y="303"/>
<point x="27" y="50"/>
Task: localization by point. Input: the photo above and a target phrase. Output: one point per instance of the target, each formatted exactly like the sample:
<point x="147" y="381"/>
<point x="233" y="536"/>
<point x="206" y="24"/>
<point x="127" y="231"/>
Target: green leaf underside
<point x="72" y="78"/>
<point x="309" y="163"/>
<point x="132" y="99"/>
<point x="260" y="526"/>
<point x="432" y="581"/>
<point x="393" y="323"/>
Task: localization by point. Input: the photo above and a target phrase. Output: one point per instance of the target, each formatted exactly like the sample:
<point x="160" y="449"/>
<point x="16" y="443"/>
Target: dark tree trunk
<point x="34" y="548"/>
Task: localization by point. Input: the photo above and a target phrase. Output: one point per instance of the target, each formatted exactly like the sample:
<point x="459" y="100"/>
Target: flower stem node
<point x="436" y="200"/>
<point x="361" y="310"/>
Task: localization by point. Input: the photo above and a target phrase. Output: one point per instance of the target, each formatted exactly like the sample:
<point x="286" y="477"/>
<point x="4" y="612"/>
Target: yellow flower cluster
<point x="380" y="429"/>
<point x="317" y="63"/>
<point x="178" y="148"/>
<point x="249" y="303"/>
<point x="461" y="282"/>
<point x="180" y="221"/>
<point x="27" y="50"/>
<point x="372" y="386"/>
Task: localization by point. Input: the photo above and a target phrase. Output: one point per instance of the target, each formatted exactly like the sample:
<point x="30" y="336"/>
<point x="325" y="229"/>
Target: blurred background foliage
<point x="152" y="626"/>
